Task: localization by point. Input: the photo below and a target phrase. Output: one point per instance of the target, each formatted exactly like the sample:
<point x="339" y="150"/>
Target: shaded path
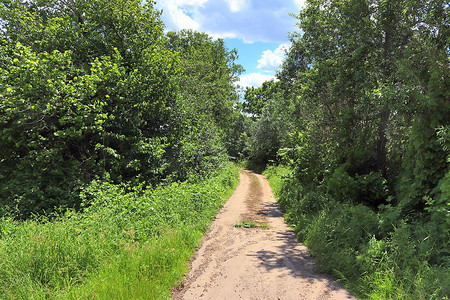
<point x="254" y="263"/>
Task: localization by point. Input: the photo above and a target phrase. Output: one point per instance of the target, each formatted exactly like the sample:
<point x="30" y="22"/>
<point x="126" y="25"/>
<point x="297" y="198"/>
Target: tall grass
<point x="124" y="245"/>
<point x="379" y="255"/>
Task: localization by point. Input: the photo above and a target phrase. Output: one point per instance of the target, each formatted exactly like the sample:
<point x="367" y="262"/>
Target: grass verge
<point x="124" y="245"/>
<point x="377" y="254"/>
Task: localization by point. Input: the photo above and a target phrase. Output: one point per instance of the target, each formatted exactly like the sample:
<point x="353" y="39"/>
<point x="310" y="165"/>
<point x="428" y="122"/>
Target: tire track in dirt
<point x="254" y="263"/>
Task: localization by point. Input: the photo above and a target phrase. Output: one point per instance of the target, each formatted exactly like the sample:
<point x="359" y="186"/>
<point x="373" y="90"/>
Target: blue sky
<point x="258" y="29"/>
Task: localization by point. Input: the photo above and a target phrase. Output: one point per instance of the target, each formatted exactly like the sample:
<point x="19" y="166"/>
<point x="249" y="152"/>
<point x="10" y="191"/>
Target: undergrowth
<point x="123" y="245"/>
<point x="377" y="254"/>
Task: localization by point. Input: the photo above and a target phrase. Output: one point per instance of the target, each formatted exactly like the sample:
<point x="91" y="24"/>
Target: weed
<point x="251" y="224"/>
<point x="264" y="225"/>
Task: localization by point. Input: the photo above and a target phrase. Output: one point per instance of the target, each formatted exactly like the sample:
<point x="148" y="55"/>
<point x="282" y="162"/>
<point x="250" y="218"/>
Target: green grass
<point x="378" y="255"/>
<point x="275" y="175"/>
<point x="125" y="245"/>
<point x="250" y="224"/>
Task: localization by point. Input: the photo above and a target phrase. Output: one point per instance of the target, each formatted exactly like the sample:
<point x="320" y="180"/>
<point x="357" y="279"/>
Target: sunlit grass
<point x="348" y="242"/>
<point x="251" y="224"/>
<point x="125" y="246"/>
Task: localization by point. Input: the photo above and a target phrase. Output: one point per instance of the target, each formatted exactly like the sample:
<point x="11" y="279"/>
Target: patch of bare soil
<point x="254" y="263"/>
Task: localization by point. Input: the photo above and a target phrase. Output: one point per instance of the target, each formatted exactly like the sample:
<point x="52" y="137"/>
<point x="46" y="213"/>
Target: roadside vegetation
<point x="123" y="244"/>
<point x="96" y="90"/>
<point x="357" y="131"/>
<point x="377" y="254"/>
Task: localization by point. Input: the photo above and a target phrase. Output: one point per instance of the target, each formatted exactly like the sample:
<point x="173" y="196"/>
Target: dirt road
<point x="254" y="263"/>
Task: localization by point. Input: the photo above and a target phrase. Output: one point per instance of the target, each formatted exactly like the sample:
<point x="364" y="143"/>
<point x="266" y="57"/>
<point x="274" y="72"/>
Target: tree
<point x="95" y="89"/>
<point x="359" y="79"/>
<point x="270" y="109"/>
<point x="208" y="83"/>
<point x="256" y="98"/>
<point x="89" y="29"/>
<point x="90" y="89"/>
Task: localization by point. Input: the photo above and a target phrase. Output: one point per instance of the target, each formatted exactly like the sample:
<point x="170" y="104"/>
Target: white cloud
<point x="254" y="79"/>
<point x="181" y="19"/>
<point x="237" y="5"/>
<point x="271" y="60"/>
<point x="249" y="20"/>
<point x="223" y="35"/>
<point x="300" y="3"/>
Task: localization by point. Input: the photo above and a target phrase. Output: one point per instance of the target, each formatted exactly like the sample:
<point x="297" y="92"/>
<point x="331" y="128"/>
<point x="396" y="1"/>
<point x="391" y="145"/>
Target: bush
<point x="342" y="186"/>
<point x="125" y="244"/>
<point x="337" y="235"/>
<point x="369" y="189"/>
<point x="372" y="189"/>
<point x="379" y="255"/>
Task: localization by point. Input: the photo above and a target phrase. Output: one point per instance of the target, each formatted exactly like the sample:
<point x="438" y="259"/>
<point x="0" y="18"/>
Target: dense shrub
<point x="342" y="186"/>
<point x="379" y="254"/>
<point x="125" y="244"/>
<point x="370" y="189"/>
<point x="92" y="89"/>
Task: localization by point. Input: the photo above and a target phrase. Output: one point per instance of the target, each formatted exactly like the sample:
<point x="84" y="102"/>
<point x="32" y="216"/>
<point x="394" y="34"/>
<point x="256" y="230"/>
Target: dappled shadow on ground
<point x="289" y="256"/>
<point x="270" y="210"/>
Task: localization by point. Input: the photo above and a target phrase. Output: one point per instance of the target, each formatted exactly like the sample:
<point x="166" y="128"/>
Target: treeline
<point x="361" y="115"/>
<point x="96" y="90"/>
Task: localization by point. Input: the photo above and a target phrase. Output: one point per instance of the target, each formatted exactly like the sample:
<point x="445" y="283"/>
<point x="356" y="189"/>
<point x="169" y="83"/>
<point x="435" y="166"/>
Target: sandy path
<point x="254" y="263"/>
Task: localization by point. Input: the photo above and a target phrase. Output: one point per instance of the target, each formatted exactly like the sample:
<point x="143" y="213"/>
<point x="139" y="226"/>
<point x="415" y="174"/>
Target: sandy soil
<point x="254" y="263"/>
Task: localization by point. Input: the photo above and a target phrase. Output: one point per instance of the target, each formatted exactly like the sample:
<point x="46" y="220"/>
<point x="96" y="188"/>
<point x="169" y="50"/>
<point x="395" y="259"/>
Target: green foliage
<point x="367" y="87"/>
<point x="379" y="255"/>
<point x="443" y="135"/>
<point x="264" y="140"/>
<point x="61" y="126"/>
<point x="256" y="98"/>
<point x="268" y="131"/>
<point x="361" y="92"/>
<point x="124" y="244"/>
<point x="276" y="175"/>
<point x="369" y="189"/>
<point x="195" y="151"/>
<point x="364" y="95"/>
<point x="209" y="73"/>
<point x="88" y="29"/>
<point x="237" y="140"/>
<point x="245" y="224"/>
<point x="425" y="163"/>
<point x="207" y="85"/>
<point x="94" y="89"/>
<point x="342" y="186"/>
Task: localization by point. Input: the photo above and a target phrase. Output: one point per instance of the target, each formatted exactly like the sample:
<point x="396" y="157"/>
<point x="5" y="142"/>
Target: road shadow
<point x="290" y="255"/>
<point x="271" y="210"/>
